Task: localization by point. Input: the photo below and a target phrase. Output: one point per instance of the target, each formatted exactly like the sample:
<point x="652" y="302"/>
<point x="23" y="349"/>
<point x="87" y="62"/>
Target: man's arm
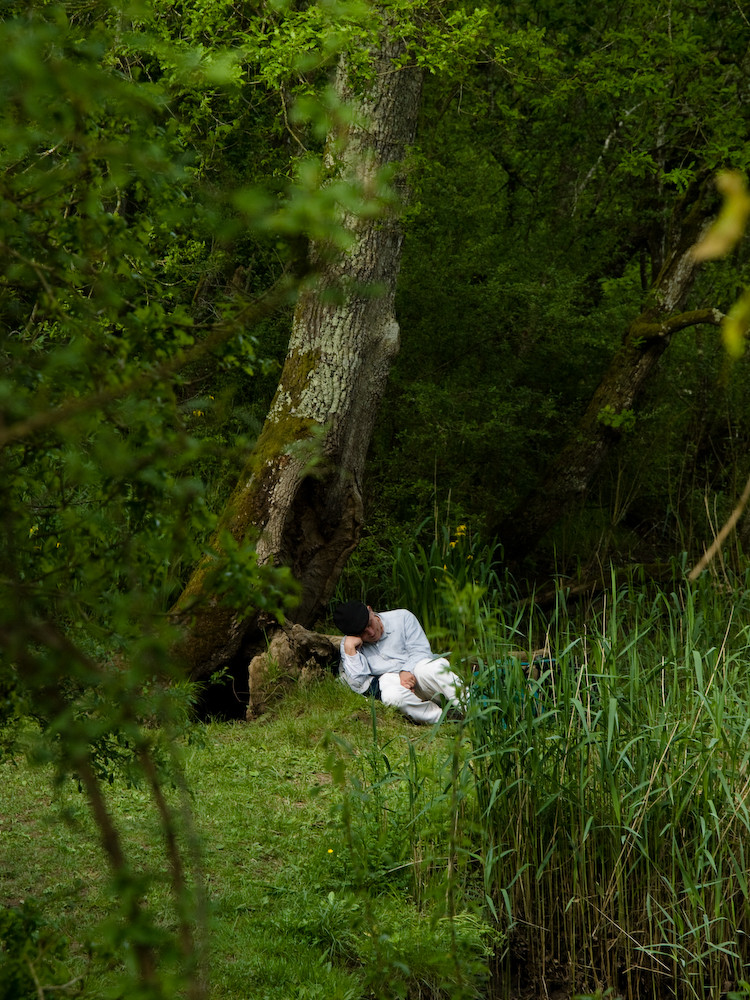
<point x="352" y="644"/>
<point x="354" y="665"/>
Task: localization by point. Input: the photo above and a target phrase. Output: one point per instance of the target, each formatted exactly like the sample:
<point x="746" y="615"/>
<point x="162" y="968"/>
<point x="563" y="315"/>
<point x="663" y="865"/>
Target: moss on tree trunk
<point x="299" y="496"/>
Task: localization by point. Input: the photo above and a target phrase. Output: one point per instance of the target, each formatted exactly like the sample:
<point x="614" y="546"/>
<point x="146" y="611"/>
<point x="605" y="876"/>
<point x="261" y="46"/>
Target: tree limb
<point x="220" y="332"/>
<point x="79" y="757"/>
<point x="649" y="331"/>
<point x="197" y="988"/>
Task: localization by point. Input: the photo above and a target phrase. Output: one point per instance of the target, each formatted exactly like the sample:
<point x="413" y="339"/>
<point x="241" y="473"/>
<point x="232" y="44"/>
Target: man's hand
<point x="352" y="644"/>
<point x="407" y="678"/>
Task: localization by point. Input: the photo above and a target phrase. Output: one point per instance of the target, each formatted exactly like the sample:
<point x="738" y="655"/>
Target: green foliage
<point x="32" y="952"/>
<point x="288" y="916"/>
<point x="623" y="421"/>
<point x="566" y="159"/>
<point x="612" y="782"/>
<point x="721" y="238"/>
<point x="601" y="794"/>
<point x="161" y="170"/>
<point x="399" y="817"/>
<point x="143" y="239"/>
<point x="430" y="580"/>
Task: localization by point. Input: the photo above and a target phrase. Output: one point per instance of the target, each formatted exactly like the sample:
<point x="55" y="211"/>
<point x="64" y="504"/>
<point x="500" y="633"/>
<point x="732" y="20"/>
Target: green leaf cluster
<point x="568" y="147"/>
<point x="151" y="216"/>
<point x="32" y="951"/>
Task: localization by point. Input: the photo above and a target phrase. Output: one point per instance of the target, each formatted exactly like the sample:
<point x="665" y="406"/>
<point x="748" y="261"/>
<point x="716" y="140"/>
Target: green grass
<point x="297" y="908"/>
<point x="587" y="830"/>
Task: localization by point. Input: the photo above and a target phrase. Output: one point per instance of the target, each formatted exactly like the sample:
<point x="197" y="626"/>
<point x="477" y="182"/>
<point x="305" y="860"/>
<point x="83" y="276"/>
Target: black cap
<point x="351" y="617"/>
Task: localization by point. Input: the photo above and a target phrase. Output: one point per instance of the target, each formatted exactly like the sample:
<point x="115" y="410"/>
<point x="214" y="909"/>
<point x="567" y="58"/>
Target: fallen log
<point x="294" y="655"/>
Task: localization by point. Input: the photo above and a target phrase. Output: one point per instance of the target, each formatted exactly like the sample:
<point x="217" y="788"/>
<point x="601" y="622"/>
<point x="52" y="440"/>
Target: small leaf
<point x="730" y="224"/>
<point x="736" y="325"/>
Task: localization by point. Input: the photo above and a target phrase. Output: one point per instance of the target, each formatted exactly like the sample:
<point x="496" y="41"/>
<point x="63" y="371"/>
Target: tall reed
<point x="427" y="578"/>
<point x="613" y="792"/>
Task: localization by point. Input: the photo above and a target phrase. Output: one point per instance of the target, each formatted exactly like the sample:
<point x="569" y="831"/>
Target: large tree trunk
<point x="571" y="472"/>
<point x="343" y="341"/>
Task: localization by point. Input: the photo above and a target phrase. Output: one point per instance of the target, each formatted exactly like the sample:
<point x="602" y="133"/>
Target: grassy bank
<point x="323" y="854"/>
<point x="584" y="829"/>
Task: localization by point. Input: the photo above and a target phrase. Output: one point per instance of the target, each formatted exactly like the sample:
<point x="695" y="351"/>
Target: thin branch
<point x="199" y="985"/>
<point x="579" y="188"/>
<point x="63" y="986"/>
<point x="289" y="128"/>
<point x="47" y="634"/>
<point x="32" y="971"/>
<point x="715" y="547"/>
<point x="179" y="882"/>
<point x="80" y="759"/>
<point x="112" y="845"/>
<point x="222" y="331"/>
<point x="742" y="13"/>
<point x="110" y="838"/>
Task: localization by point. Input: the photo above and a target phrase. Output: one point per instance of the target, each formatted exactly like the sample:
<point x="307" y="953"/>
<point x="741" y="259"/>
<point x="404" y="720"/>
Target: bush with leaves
<point x="136" y="262"/>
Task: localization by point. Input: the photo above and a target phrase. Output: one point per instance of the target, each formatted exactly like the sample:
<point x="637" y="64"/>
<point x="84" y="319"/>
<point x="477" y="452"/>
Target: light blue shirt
<point x="402" y="645"/>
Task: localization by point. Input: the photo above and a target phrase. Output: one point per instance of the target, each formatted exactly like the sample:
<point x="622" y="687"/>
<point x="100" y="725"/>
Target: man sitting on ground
<point x="387" y="655"/>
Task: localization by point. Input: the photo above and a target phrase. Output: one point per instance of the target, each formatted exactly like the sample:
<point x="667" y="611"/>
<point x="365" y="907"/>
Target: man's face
<point x="374" y="629"/>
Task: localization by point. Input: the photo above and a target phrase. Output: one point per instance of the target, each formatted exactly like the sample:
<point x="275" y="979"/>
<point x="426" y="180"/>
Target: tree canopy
<point x="568" y="161"/>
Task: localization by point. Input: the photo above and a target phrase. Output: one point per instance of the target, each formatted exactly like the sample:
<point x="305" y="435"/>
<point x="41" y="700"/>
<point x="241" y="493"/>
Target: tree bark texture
<point x="344" y="338"/>
<point x="295" y="655"/>
<point x="570" y="474"/>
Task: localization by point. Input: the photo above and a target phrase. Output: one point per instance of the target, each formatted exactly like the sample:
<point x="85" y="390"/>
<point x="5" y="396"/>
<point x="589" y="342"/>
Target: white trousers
<point x="434" y="678"/>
